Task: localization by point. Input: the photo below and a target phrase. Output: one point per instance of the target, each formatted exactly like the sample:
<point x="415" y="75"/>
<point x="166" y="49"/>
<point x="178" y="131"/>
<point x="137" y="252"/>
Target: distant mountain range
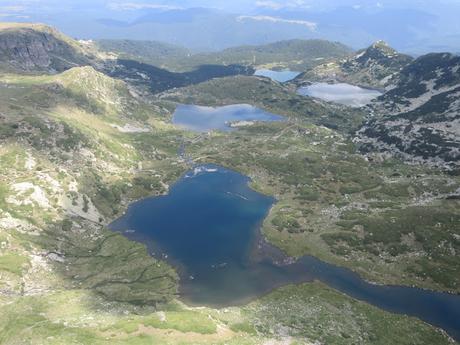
<point x="190" y="27"/>
<point x="416" y="28"/>
<point x="294" y="54"/>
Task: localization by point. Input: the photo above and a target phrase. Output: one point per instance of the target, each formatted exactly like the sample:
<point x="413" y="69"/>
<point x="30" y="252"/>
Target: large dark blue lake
<point x="207" y="227"/>
<point x="203" y="119"/>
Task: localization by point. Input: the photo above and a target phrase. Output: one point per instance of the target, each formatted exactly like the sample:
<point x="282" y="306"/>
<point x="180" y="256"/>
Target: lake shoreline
<point x="262" y="256"/>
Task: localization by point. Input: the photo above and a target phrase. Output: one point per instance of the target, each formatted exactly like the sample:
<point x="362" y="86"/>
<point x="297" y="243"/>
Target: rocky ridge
<point x="38" y="48"/>
<point x="419" y="117"/>
<point x="371" y="67"/>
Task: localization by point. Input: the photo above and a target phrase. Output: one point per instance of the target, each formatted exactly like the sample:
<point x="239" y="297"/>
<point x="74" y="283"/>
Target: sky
<point x="19" y="7"/>
<point x="409" y="25"/>
<point x="24" y="8"/>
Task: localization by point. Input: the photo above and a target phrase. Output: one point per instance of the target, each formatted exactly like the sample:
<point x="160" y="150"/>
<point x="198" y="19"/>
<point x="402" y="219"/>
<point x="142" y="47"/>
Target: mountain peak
<point x="18" y="26"/>
<point x="380" y="44"/>
<point x="380" y="54"/>
<point x="38" y="48"/>
<point x="379" y="49"/>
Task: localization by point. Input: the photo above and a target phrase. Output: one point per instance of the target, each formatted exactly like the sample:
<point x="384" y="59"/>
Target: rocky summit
<point x="36" y="47"/>
<point x="372" y="67"/>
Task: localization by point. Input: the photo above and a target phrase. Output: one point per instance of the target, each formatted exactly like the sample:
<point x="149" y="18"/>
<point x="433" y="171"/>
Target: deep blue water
<point x="203" y="119"/>
<point x="207" y="226"/>
<point x="280" y="76"/>
<point x="342" y="93"/>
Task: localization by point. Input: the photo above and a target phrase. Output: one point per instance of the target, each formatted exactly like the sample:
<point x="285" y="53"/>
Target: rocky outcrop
<point x="38" y="48"/>
<point x="372" y="67"/>
<point x="420" y="115"/>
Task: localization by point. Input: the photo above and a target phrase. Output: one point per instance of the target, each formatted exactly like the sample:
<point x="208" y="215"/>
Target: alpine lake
<point x="208" y="227"/>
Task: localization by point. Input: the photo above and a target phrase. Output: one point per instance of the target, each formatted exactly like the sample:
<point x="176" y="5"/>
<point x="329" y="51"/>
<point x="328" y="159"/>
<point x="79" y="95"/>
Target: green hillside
<point x="154" y="53"/>
<point x="78" y="147"/>
<point x="295" y="54"/>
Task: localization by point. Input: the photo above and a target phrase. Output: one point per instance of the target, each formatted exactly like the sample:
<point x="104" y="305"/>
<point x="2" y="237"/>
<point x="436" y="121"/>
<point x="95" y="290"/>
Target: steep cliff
<point x="38" y="48"/>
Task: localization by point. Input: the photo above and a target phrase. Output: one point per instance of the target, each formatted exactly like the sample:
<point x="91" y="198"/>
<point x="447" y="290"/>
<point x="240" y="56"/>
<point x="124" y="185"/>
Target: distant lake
<point x="342" y="93"/>
<point x="279" y="76"/>
<point x="208" y="228"/>
<point x="203" y="119"/>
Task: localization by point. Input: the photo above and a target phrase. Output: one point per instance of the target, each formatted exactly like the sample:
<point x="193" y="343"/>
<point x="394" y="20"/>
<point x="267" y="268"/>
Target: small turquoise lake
<point x="203" y="119"/>
<point x="208" y="228"/>
<point x="279" y="76"/>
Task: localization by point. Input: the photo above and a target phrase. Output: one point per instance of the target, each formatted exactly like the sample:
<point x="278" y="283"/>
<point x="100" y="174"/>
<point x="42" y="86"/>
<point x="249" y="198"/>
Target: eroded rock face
<point x="33" y="49"/>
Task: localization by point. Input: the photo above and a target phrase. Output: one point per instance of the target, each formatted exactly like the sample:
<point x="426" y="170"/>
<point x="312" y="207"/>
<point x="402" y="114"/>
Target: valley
<point x="81" y="142"/>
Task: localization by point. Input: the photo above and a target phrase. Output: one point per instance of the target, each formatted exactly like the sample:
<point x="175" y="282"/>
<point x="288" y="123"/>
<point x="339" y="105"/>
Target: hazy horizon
<point x="411" y="26"/>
